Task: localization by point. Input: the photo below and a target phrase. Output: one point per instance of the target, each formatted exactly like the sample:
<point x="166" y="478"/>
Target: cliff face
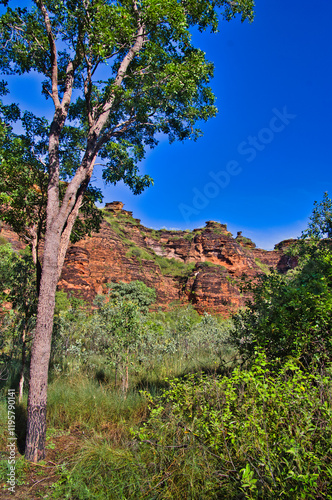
<point x="203" y="266"/>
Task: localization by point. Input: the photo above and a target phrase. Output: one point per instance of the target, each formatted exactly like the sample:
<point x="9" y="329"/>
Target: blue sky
<point x="267" y="156"/>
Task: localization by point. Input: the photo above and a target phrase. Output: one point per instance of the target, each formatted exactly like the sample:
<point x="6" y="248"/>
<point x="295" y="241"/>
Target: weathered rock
<point x="203" y="267"/>
<point x="7" y="235"/>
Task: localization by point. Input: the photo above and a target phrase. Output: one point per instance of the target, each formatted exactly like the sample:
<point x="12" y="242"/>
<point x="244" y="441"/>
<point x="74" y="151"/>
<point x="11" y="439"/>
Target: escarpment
<point x="203" y="267"/>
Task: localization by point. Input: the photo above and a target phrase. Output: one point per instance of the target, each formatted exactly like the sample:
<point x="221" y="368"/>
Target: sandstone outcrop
<point x="203" y="267"/>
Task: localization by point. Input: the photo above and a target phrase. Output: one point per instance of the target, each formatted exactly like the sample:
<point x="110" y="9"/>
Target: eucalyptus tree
<point x="119" y="73"/>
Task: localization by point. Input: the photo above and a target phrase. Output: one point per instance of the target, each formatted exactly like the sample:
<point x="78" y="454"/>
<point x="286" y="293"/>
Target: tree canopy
<point x="24" y="179"/>
<point x="133" y="66"/>
<point x="320" y="225"/>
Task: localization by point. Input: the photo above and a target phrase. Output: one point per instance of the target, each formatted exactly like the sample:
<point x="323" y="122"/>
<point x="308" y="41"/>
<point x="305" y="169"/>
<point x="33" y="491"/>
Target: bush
<point x="263" y="433"/>
<point x="290" y="314"/>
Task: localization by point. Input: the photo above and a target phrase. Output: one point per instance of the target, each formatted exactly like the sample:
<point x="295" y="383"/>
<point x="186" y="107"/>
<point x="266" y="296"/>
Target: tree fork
<point x="54" y="254"/>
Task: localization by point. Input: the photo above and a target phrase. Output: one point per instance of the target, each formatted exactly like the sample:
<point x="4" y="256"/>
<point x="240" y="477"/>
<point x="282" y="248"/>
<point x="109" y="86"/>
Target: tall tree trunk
<point x="55" y="247"/>
<point x="41" y="349"/>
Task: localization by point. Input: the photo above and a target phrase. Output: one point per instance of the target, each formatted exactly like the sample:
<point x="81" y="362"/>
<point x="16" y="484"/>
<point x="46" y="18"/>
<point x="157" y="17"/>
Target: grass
<point x="3" y="240"/>
<point x="120" y="217"/>
<point x="82" y="402"/>
<point x="139" y="253"/>
<point x="154" y="234"/>
<point x="3" y="423"/>
<point x="174" y="267"/>
<point x="264" y="267"/>
<point x="115" y="224"/>
<point x="211" y="264"/>
<point x="190" y="235"/>
<point x="246" y="241"/>
<point x="194" y="432"/>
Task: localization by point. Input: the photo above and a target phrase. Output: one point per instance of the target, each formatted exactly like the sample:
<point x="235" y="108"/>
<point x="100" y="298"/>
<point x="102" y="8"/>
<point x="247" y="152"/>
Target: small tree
<point x="18" y="288"/>
<point x="320" y="225"/>
<point x="136" y="292"/>
<point x="122" y="320"/>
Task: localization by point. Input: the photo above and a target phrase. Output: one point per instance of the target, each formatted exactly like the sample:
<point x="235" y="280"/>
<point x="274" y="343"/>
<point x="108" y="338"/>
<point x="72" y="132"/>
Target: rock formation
<point x="203" y="266"/>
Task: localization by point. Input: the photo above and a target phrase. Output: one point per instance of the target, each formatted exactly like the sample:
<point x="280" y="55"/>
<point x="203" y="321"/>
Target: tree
<point x="118" y="73"/>
<point x="320" y="225"/>
<point x="121" y="319"/>
<point x="290" y="315"/>
<point x="18" y="287"/>
<point x="136" y="291"/>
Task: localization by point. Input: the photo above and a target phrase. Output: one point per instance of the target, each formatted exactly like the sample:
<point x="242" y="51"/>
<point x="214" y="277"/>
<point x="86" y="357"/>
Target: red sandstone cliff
<point x="203" y="266"/>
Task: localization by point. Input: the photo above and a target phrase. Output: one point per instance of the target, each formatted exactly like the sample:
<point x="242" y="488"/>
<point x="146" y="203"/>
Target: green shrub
<point x="290" y="314"/>
<point x="259" y="434"/>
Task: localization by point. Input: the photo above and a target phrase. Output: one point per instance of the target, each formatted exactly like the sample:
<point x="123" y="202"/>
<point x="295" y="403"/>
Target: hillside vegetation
<point x="175" y="405"/>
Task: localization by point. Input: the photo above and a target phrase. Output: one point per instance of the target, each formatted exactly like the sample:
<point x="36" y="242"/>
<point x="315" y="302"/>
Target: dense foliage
<point x="24" y="179"/>
<point x="291" y="314"/>
<point x="251" y="435"/>
<point x="18" y="306"/>
<point x="262" y="433"/>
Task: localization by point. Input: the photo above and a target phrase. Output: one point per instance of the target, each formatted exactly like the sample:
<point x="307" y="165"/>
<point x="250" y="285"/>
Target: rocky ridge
<point x="202" y="267"/>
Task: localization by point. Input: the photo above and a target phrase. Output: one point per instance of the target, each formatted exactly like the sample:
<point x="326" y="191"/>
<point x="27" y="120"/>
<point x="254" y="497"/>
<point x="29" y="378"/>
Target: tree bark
<point x="40" y="356"/>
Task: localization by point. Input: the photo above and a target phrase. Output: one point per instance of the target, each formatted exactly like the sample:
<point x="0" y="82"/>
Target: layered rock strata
<point x="203" y="267"/>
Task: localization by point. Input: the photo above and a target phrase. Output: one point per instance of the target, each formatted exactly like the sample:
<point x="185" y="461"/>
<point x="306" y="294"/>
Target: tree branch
<point x="135" y="49"/>
<point x="54" y="56"/>
<point x="65" y="236"/>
